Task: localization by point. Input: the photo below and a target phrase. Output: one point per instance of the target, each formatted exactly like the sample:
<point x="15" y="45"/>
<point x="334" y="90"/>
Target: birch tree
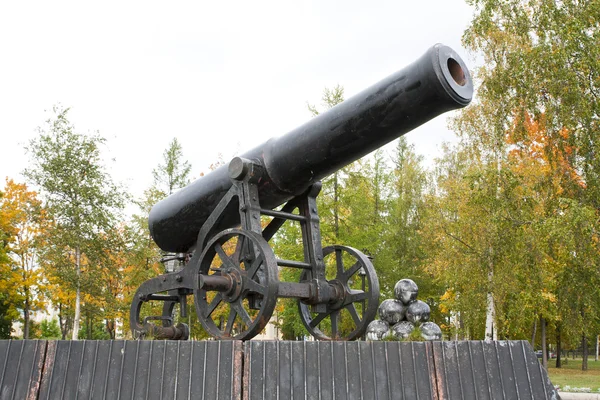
<point x="79" y="194"/>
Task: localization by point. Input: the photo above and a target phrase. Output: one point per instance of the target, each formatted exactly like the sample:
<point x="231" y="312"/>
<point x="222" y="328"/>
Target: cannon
<point x="219" y="226"/>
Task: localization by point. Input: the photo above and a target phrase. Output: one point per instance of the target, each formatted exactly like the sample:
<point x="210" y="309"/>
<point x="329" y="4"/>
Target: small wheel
<point x="346" y="319"/>
<point x="242" y="304"/>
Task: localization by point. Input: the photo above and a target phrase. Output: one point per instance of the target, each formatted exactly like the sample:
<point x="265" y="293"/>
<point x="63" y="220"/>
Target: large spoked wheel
<point x="236" y="288"/>
<point x="347" y="318"/>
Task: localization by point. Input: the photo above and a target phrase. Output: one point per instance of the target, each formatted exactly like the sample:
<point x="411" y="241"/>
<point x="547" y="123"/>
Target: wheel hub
<point x="338" y="300"/>
<point x="235" y="291"/>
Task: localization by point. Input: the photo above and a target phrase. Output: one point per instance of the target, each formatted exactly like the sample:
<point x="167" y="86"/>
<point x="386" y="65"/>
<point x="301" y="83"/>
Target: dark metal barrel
<point x="437" y="82"/>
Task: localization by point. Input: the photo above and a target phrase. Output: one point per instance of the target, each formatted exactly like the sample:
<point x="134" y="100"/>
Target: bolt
<point x="179" y="278"/>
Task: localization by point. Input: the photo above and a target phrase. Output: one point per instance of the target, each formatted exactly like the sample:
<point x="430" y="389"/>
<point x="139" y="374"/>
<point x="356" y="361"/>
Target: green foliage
<point x="174" y="173"/>
<point x="400" y="253"/>
<point x="287" y="245"/>
<point x="414" y="336"/>
<point x="68" y="169"/>
<point x="50" y="329"/>
<point x="330" y="98"/>
<point x="93" y="330"/>
<point x="6" y="318"/>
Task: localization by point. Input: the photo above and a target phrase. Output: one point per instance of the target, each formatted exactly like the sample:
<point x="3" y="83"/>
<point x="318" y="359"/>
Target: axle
<point x="314" y="292"/>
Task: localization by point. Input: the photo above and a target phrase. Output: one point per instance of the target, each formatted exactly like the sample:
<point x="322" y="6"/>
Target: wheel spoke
<point x="339" y="262"/>
<point x="214" y="304"/>
<point x="334" y="324"/>
<point x="356" y="295"/>
<point x="230" y="320"/>
<point x="242" y="313"/>
<point x="316" y="321"/>
<point x="255" y="287"/>
<point x="255" y="266"/>
<point x="239" y="246"/>
<point x="224" y="257"/>
<point x="354" y="314"/>
<point x="352" y="270"/>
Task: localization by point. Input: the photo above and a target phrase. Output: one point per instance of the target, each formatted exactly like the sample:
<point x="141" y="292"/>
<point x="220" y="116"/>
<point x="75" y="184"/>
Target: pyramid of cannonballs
<point x="400" y="316"/>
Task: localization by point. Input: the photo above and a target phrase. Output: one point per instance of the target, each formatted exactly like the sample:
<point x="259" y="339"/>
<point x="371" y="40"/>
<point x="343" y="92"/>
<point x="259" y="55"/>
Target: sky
<point x="220" y="76"/>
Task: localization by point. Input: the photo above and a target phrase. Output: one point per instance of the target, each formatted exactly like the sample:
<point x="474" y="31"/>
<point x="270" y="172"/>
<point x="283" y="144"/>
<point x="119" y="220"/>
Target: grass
<point x="570" y="374"/>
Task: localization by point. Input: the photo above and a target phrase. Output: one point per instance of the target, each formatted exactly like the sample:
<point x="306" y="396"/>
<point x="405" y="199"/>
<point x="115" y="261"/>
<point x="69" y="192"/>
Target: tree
<point x="457" y="233"/>
<point x="401" y="251"/>
<point x="50" y="329"/>
<point x="80" y="195"/>
<point x="174" y="173"/>
<point x="23" y="281"/>
<point x="541" y="62"/>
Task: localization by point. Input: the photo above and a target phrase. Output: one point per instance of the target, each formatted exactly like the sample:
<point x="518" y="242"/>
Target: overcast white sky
<point x="221" y="76"/>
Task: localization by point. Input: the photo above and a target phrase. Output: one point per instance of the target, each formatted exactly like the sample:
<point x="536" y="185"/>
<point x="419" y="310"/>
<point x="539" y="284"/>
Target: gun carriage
<point x="213" y="226"/>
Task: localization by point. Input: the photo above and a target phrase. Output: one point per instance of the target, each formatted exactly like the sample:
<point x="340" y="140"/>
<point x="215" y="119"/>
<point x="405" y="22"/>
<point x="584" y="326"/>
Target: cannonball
<point x="406" y="290"/>
<point x="417" y="312"/>
<point x="402" y="329"/>
<point x="377" y="330"/>
<point x="431" y="331"/>
<point x="392" y="311"/>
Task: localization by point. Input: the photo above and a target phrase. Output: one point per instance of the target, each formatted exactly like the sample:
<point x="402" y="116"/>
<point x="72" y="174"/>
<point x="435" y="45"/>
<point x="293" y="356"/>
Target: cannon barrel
<point x="437" y="82"/>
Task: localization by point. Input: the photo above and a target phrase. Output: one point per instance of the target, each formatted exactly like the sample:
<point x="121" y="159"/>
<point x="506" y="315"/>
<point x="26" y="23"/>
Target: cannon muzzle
<point x="437" y="82"/>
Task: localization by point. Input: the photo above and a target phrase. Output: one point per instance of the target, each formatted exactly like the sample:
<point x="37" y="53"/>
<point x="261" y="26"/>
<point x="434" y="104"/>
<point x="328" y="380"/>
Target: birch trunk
<point x="77" y="294"/>
<point x="534" y="331"/>
<point x="544" y="349"/>
<point x="490" y="313"/>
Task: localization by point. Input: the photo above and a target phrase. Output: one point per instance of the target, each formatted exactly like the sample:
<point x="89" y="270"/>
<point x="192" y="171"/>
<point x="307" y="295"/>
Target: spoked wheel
<point x="236" y="289"/>
<point x="346" y="319"/>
